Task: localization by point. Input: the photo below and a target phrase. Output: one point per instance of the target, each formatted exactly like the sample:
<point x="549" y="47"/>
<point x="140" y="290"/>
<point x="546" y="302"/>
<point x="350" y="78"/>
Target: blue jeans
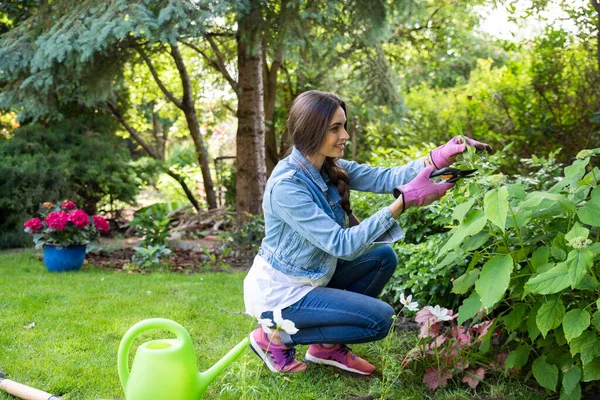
<point x="346" y="311"/>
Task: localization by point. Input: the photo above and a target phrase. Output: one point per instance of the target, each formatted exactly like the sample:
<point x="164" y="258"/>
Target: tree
<point x="65" y="54"/>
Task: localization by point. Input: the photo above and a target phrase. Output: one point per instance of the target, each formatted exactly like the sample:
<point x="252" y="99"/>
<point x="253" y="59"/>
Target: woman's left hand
<point x="445" y="155"/>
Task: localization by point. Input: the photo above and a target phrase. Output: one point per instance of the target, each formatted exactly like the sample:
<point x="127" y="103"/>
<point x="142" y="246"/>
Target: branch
<point x="162" y="87"/>
<point x="136" y="135"/>
<point x="596" y="5"/>
<point x="188" y="98"/>
<point x="221" y="62"/>
<point x="216" y="65"/>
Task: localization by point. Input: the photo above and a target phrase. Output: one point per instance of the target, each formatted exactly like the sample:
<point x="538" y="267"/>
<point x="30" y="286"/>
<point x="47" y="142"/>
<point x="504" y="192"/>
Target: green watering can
<point x="166" y="369"/>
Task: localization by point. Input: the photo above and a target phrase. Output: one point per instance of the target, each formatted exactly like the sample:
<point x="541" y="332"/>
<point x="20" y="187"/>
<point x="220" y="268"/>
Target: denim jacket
<point x="305" y="229"/>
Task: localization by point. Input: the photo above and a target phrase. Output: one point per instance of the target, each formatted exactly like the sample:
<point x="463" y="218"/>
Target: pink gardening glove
<point x="445" y="155"/>
<point x="421" y="191"/>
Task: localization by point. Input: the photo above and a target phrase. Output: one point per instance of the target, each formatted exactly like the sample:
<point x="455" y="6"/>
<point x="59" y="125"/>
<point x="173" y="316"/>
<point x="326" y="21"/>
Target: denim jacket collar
<point x="298" y="159"/>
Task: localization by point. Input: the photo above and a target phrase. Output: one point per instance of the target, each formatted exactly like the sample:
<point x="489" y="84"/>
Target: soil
<point x="193" y="259"/>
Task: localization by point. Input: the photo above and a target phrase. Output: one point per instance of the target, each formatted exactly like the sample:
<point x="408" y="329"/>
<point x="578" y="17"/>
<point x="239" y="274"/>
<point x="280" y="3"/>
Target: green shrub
<point x="533" y="266"/>
<point x="78" y="159"/>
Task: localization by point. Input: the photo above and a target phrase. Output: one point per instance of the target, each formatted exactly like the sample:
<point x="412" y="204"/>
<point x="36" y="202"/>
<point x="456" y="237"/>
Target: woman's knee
<point x="384" y="317"/>
<point x="389" y="257"/>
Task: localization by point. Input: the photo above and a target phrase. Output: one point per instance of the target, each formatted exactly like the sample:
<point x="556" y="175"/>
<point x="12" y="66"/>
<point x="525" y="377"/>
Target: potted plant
<point x="63" y="231"/>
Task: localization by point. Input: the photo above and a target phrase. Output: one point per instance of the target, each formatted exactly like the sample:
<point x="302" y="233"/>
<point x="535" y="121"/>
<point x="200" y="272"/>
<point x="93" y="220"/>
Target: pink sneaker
<point x="340" y="356"/>
<point x="276" y="356"/>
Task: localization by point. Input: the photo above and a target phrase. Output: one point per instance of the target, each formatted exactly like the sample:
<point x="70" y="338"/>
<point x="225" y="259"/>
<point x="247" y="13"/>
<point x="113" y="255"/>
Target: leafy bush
<point x="152" y="222"/>
<point x="79" y="159"/>
<point x="533" y="265"/>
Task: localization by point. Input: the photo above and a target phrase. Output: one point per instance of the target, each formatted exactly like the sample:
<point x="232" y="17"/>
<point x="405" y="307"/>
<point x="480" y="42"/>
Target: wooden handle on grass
<point x="25" y="392"/>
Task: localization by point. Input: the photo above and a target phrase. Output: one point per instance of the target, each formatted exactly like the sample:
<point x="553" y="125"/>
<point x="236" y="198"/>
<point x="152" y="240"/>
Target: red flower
<point x="100" y="223"/>
<point x="79" y="218"/>
<point x="57" y="220"/>
<point x="68" y="205"/>
<point x="34" y="224"/>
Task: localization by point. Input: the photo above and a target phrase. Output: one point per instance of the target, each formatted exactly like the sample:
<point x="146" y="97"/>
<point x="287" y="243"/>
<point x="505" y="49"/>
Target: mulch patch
<point x="180" y="260"/>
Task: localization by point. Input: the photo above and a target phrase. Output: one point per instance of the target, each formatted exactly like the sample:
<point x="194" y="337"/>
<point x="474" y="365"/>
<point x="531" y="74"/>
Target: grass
<point x="80" y="318"/>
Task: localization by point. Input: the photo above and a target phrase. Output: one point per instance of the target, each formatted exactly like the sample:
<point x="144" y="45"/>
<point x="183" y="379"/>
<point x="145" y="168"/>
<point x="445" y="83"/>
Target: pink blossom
<point x="436" y="378"/>
<point x="473" y="377"/>
<point x="100" y="223"/>
<point x="68" y="205"/>
<point x="34" y="224"/>
<point x="79" y="218"/>
<point x="57" y="220"/>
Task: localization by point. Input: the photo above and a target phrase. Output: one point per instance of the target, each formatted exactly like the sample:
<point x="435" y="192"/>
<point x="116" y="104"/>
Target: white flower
<point x="266" y="325"/>
<point x="406" y="302"/>
<point x="440" y="313"/>
<point x="283" y="324"/>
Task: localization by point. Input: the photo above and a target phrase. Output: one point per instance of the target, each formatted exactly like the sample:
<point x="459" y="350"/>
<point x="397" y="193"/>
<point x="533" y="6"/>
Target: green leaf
<point x="551" y="281"/>
<point x="590" y="213"/>
<point x="469" y="308"/>
<point x="591" y="371"/>
<point x="513" y="320"/>
<point x="571" y="378"/>
<point x="576" y="231"/>
<point x="475" y="241"/>
<point x="596" y="320"/>
<point x="532" y="328"/>
<point x="550" y="315"/>
<point x="575" y="322"/>
<point x="540" y="257"/>
<point x="534" y="199"/>
<point x="575" y="394"/>
<point x="517" y="358"/>
<point x="472" y="224"/>
<point x="494" y="279"/>
<point x="516" y="190"/>
<point x="578" y="262"/>
<point x="495" y="204"/>
<point x="464" y="283"/>
<point x="590" y="350"/>
<point x="545" y="374"/>
<point x="462" y="209"/>
<point x="578" y="343"/>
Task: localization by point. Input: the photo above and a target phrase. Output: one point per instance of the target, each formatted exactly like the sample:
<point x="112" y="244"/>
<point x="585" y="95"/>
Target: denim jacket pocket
<point x="303" y="255"/>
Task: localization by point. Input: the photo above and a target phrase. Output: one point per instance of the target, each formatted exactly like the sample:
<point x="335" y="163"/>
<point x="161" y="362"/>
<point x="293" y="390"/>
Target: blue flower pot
<point x="68" y="258"/>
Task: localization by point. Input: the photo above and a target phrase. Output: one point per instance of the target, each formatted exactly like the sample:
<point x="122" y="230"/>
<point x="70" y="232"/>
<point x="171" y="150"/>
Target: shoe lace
<point x="288" y="355"/>
<point x="345" y="350"/>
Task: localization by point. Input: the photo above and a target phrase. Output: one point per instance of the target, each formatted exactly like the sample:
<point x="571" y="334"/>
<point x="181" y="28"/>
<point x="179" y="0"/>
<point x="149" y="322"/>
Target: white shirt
<point x="266" y="289"/>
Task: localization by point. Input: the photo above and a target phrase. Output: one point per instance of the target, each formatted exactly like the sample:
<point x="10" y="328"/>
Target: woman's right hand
<point x="421" y="191"/>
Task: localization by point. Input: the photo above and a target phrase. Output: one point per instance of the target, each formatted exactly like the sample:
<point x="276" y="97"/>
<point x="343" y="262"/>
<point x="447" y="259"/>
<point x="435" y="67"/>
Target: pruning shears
<point x="451" y="175"/>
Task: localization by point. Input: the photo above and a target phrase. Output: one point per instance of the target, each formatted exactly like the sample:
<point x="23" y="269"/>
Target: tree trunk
<point x="271" y="151"/>
<point x="250" y="139"/>
<point x="189" y="110"/>
<point x="596" y="5"/>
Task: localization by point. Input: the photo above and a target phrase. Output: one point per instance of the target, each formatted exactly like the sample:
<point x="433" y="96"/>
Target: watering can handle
<point x="137" y="329"/>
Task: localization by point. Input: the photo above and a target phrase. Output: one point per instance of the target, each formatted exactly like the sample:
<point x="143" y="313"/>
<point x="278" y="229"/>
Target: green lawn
<point x="80" y="318"/>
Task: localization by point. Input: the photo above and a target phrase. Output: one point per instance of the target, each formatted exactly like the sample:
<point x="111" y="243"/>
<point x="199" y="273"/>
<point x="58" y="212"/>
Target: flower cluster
<point x="445" y="346"/>
<point x="64" y="225"/>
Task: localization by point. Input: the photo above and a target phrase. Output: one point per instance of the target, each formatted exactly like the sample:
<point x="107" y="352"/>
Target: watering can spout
<point x="206" y="377"/>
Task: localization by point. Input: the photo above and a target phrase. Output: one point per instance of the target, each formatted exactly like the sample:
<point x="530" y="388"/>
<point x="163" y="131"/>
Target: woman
<point x="311" y="268"/>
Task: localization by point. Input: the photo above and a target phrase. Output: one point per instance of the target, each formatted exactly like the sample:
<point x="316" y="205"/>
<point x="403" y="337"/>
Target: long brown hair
<point x="308" y="122"/>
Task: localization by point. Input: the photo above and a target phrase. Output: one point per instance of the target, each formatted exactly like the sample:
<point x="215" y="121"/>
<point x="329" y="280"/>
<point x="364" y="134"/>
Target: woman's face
<point x="336" y="136"/>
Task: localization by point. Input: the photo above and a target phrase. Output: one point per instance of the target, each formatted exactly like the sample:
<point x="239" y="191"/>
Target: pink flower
<point x="68" y="205"/>
<point x="100" y="223"/>
<point x="79" y="218"/>
<point x="34" y="224"/>
<point x="57" y="220"/>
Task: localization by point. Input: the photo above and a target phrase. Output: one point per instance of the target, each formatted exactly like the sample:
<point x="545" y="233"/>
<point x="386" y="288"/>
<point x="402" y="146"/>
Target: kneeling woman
<point x="323" y="276"/>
